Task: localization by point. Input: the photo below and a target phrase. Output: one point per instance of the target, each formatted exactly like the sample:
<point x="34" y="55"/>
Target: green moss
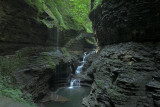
<point x="49" y="24"/>
<point x="75" y="40"/>
<point x="115" y="94"/>
<point x="116" y="61"/>
<point x="64" y="51"/>
<point x="100" y="83"/>
<point x="45" y="59"/>
<point x="16" y="95"/>
<point x="37" y="3"/>
<point x="91" y="41"/>
<point x="8" y="64"/>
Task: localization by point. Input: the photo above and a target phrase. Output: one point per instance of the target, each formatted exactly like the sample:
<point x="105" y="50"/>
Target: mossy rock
<point x="45" y="59"/>
<point x="115" y="95"/>
<point x="100" y="83"/>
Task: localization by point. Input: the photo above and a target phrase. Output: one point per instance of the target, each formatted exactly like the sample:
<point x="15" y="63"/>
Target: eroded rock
<point x="125" y="75"/>
<point x="42" y="73"/>
<point x="122" y="21"/>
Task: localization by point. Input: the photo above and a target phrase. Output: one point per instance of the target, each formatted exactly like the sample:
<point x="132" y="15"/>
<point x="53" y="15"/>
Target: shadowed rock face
<point x="125" y="75"/>
<point x="43" y="73"/>
<point x="120" y="21"/>
<point x="18" y="23"/>
<point x="19" y="27"/>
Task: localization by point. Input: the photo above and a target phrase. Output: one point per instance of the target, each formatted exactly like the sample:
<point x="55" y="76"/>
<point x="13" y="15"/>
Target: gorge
<point x="79" y="53"/>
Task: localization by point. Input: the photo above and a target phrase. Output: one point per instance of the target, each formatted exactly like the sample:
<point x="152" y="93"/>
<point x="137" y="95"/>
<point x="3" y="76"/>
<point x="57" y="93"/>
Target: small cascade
<point x="76" y="82"/>
<point x="79" y="68"/>
<point x="84" y="57"/>
<point x="57" y="39"/>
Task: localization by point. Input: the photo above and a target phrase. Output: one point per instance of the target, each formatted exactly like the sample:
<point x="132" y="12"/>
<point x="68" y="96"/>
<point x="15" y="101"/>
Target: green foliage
<point x="96" y="3"/>
<point x="81" y="10"/>
<point x="66" y="14"/>
<point x="9" y="64"/>
<point x="8" y="86"/>
<point x="15" y="94"/>
<point x="9" y="89"/>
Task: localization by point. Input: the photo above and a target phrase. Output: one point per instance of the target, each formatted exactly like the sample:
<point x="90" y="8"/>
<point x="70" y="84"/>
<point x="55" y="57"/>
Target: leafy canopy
<point x="65" y="14"/>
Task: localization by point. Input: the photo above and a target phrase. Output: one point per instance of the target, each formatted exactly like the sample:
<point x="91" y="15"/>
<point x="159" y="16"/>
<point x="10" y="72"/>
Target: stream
<point x="75" y="92"/>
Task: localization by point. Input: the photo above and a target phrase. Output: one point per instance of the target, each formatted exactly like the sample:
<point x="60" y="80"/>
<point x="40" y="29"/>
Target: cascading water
<point x="57" y="39"/>
<point x="76" y="82"/>
<point x="79" y="68"/>
<point x="74" y="93"/>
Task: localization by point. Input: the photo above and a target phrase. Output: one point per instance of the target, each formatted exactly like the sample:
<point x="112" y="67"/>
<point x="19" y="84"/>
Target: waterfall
<point x="79" y="68"/>
<point x="76" y="82"/>
<point x="57" y="39"/>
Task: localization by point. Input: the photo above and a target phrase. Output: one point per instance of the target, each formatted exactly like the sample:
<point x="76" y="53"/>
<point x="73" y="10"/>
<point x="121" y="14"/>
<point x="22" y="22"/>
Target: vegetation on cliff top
<point x="64" y="14"/>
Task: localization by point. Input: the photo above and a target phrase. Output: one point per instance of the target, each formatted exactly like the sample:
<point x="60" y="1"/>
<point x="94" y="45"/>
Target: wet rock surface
<point x="8" y="102"/>
<point x="19" y="27"/>
<point x="84" y="42"/>
<point x="125" y="75"/>
<point x="50" y="97"/>
<point x="120" y="21"/>
<point x="43" y="73"/>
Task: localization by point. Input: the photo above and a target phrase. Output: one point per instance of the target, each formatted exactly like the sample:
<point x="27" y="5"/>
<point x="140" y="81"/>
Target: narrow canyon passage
<point x="79" y="53"/>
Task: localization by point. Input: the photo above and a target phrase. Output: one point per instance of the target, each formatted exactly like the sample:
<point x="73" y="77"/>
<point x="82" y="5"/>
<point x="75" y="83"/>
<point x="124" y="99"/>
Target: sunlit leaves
<point x="67" y="14"/>
<point x="81" y="9"/>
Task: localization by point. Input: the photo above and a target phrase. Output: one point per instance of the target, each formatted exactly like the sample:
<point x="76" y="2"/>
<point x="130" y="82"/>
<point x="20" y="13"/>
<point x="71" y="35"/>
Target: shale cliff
<point x="121" y="21"/>
<point x="126" y="70"/>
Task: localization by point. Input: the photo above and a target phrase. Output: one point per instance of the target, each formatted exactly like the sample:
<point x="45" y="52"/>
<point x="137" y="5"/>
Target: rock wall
<point x="120" y="21"/>
<point x="84" y="42"/>
<point x="43" y="73"/>
<point x="19" y="26"/>
<point x="125" y="75"/>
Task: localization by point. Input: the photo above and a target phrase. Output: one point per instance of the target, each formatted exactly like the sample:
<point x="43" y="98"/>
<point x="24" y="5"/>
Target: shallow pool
<point x="74" y="95"/>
